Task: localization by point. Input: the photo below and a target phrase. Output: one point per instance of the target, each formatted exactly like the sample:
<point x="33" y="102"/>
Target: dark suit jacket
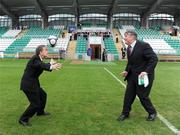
<point x="30" y="78"/>
<point x="142" y="59"/>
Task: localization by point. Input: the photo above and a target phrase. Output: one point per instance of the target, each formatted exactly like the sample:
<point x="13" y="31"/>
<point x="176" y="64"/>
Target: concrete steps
<point x="71" y="51"/>
<point x="21" y="34"/>
<point x="119" y="45"/>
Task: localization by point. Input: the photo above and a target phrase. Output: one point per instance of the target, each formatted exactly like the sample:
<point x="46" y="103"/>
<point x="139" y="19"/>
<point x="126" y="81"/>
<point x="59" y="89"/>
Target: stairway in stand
<point x="71" y="51"/>
<point x="21" y="34"/>
<point x="119" y="45"/>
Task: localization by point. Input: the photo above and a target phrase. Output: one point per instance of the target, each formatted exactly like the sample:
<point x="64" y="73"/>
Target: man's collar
<point x="40" y="58"/>
<point x="133" y="44"/>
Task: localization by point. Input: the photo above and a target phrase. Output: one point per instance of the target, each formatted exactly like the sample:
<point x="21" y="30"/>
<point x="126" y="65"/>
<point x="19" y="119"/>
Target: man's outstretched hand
<point x="56" y="66"/>
<point x="52" y="62"/>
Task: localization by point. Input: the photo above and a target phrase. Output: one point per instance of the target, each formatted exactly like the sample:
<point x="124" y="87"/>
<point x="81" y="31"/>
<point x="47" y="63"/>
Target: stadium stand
<point x="33" y="43"/>
<point x="17" y="45"/>
<point x="62" y="43"/>
<point x="81" y="46"/>
<point x="111" y="48"/>
<point x="5" y="43"/>
<point x="29" y="41"/>
<point x="160" y="46"/>
<point x="42" y="33"/>
<point x="128" y="27"/>
<point x="110" y="45"/>
<point x="36" y="28"/>
<point x="94" y="28"/>
<point x="11" y="33"/>
<point x="175" y="43"/>
<point x="161" y="43"/>
<point x="2" y="30"/>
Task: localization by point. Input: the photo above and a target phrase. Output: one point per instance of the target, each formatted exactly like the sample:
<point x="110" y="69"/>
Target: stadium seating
<point x="17" y="45"/>
<point x="81" y="46"/>
<point x="2" y="30"/>
<point x="33" y="38"/>
<point x="11" y="33"/>
<point x="86" y="25"/>
<point x="5" y="42"/>
<point x="143" y="33"/>
<point x="62" y="43"/>
<point x="94" y="28"/>
<point x="161" y="43"/>
<point x="90" y="25"/>
<point x="155" y="27"/>
<point x="148" y="34"/>
<point x="42" y="33"/>
<point x="110" y="45"/>
<point x="160" y="46"/>
<point x="128" y="27"/>
<point x="175" y="43"/>
<point x="33" y="43"/>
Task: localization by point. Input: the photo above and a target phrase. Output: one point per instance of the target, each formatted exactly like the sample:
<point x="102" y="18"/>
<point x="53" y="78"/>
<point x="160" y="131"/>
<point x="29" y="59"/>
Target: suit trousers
<point x="134" y="89"/>
<point x="37" y="103"/>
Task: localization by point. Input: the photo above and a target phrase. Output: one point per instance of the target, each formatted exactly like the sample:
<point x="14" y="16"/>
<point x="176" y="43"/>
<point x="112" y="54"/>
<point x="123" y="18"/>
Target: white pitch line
<point x="165" y="121"/>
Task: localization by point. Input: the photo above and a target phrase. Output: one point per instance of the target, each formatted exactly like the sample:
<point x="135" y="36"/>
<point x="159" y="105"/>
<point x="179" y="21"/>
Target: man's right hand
<point x="124" y="73"/>
<point x="52" y="62"/>
<point x="56" y="66"/>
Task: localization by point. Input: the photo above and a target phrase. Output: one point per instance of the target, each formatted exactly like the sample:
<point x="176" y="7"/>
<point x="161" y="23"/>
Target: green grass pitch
<point x="86" y="100"/>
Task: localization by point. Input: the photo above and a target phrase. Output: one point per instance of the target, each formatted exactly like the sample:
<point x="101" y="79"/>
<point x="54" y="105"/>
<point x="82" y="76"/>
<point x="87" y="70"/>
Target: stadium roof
<point x="15" y="8"/>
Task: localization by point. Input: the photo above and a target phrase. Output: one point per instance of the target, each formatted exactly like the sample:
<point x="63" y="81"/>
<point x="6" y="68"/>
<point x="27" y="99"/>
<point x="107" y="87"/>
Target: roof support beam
<point x="7" y="11"/>
<point x="76" y="9"/>
<point x="145" y="15"/>
<point x="112" y="7"/>
<point x="43" y="13"/>
<point x="15" y="20"/>
<point x="110" y="13"/>
<point x="177" y="19"/>
<point x="41" y="8"/>
<point x="152" y="8"/>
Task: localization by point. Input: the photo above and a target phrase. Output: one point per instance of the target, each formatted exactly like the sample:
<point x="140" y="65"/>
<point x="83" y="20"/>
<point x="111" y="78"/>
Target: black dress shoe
<point x="43" y="114"/>
<point x="122" y="117"/>
<point x="24" y="123"/>
<point x="151" y="117"/>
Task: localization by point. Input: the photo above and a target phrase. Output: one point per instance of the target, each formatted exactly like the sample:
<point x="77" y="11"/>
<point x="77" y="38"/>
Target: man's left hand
<point x="141" y="75"/>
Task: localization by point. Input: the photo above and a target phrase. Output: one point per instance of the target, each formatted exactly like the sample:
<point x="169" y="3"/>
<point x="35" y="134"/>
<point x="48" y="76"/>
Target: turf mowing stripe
<point x="165" y="121"/>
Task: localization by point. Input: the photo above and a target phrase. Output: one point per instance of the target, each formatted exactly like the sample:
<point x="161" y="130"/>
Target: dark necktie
<point x="129" y="50"/>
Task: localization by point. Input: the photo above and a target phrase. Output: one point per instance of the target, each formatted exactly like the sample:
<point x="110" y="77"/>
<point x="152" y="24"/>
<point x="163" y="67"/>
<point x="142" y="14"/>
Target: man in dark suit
<point x="31" y="87"/>
<point x="141" y="61"/>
